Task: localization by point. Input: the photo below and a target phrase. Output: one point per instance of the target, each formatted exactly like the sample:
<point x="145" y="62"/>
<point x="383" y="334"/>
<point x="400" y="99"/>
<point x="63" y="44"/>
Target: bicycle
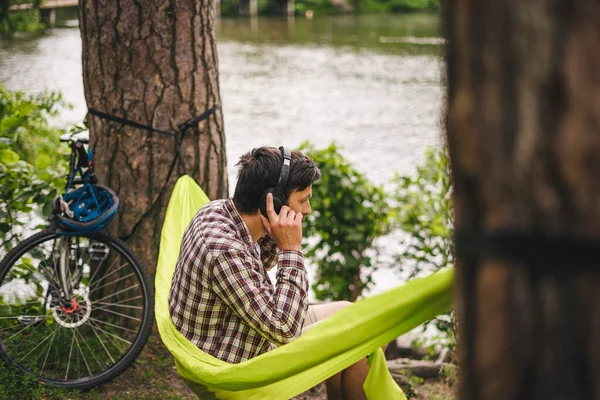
<point x="76" y="304"/>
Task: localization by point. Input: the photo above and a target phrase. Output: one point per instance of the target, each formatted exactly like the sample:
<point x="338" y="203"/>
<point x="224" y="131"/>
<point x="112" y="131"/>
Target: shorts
<point x="309" y="321"/>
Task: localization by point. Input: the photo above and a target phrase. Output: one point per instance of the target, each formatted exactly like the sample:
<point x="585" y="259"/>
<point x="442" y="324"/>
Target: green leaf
<point x="7" y="156"/>
<point x="47" y="209"/>
<point x="42" y="161"/>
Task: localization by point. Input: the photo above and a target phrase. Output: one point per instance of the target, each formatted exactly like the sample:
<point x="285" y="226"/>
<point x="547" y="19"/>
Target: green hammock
<point x="329" y="347"/>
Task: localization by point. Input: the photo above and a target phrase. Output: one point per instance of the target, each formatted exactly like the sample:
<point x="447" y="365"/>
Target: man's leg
<point x="353" y="379"/>
<point x="348" y="384"/>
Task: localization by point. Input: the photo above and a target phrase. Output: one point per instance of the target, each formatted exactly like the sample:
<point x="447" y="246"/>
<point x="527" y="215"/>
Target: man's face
<point x="299" y="201"/>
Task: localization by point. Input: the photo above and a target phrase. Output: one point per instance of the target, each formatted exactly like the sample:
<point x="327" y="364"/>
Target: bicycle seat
<point x="83" y="137"/>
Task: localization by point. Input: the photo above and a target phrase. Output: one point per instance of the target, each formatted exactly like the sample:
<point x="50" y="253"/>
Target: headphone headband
<point x="279" y="198"/>
<point x="286" y="155"/>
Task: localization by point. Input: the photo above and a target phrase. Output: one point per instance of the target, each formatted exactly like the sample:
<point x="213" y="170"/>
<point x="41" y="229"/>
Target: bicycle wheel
<point x="80" y="328"/>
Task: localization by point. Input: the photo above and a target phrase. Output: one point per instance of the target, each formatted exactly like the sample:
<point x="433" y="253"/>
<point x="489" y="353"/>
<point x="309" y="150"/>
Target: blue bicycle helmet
<point x="90" y="209"/>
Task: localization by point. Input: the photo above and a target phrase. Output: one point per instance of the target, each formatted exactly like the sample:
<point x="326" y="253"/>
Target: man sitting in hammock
<point x="222" y="299"/>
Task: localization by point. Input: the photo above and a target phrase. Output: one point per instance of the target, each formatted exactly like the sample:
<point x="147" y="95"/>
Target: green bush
<point x="408" y="5"/>
<point x="22" y="21"/>
<point x="230" y="8"/>
<point x="349" y="213"/>
<point x="317" y="6"/>
<point x="424" y="212"/>
<point x="32" y="166"/>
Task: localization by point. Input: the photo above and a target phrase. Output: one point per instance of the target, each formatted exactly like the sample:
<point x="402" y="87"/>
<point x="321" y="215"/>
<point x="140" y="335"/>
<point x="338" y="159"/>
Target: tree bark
<point x="523" y="126"/>
<point x="153" y="62"/>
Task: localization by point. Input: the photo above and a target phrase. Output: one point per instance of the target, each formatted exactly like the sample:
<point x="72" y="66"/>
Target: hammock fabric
<point x="329" y="347"/>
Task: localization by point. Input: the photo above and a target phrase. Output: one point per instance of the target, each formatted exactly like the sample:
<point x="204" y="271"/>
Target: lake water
<point x="373" y="84"/>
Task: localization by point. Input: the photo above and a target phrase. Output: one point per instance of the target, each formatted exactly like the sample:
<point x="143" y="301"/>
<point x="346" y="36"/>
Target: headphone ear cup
<point x="277" y="203"/>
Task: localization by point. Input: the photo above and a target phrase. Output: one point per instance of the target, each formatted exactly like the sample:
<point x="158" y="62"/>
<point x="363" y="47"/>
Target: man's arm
<point x="268" y="252"/>
<point x="276" y="313"/>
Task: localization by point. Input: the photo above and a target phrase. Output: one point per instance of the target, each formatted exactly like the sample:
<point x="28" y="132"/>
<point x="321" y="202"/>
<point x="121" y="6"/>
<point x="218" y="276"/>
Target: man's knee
<point x="323" y="311"/>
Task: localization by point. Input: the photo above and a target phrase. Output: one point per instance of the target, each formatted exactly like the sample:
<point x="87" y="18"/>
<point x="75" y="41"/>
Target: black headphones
<point x="279" y="198"/>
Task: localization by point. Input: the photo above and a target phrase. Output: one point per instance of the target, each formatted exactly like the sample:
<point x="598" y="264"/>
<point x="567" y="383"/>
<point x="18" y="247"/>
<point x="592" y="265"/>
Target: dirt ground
<point x="153" y="376"/>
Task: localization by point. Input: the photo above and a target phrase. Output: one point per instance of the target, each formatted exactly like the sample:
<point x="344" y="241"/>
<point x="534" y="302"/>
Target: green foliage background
<point x="32" y="164"/>
<point x="423" y="210"/>
<point x="326" y="7"/>
<point x="20" y="21"/>
<point x="349" y="213"/>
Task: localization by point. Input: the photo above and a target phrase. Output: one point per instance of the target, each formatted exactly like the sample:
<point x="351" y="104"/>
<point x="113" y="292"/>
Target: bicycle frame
<point x="80" y="163"/>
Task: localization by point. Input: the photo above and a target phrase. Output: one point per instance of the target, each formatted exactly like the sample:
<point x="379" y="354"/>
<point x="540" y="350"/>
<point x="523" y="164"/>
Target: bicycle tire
<point x="126" y="359"/>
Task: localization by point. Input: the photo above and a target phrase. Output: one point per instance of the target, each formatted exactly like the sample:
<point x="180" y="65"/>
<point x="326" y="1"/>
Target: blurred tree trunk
<point x="248" y="8"/>
<point x="523" y="125"/>
<point x="281" y="7"/>
<point x="155" y="63"/>
<point x="4" y="10"/>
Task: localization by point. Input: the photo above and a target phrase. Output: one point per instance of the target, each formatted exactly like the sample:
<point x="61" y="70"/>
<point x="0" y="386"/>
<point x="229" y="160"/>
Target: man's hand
<point x="285" y="228"/>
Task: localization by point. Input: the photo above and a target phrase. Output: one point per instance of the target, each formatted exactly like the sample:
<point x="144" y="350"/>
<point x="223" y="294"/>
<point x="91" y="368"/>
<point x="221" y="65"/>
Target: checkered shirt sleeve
<point x="276" y="313"/>
<point x="268" y="252"/>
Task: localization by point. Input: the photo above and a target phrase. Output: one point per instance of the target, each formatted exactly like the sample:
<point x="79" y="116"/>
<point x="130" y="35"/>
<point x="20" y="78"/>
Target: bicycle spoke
<point x="95" y="285"/>
<point x="89" y="348"/>
<point x="112" y="334"/>
<point x="47" y="353"/>
<point x="10" y="327"/>
<point x="49" y="276"/>
<point x="39" y="344"/>
<point x="122" y="305"/>
<point x="28" y="326"/>
<point x="110" y="283"/>
<point x="19" y="316"/>
<point x="111" y="340"/>
<point x="117" y="313"/>
<point x="98" y="269"/>
<point x="45" y="272"/>
<point x="69" y="362"/>
<point x="119" y="302"/>
<point x="82" y="355"/>
<point x="101" y="342"/>
<point x="119" y="292"/>
<point x="113" y="325"/>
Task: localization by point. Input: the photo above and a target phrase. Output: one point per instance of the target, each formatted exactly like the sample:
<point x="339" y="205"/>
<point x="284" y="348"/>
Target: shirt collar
<point x="238" y="221"/>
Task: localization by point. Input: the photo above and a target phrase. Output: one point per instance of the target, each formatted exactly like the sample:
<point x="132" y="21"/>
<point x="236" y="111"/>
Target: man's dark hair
<point x="259" y="169"/>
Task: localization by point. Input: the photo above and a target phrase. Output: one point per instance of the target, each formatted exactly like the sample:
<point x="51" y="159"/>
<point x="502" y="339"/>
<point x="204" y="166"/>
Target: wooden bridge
<point x="247" y="7"/>
<point x="48" y="4"/>
<point x="58" y="4"/>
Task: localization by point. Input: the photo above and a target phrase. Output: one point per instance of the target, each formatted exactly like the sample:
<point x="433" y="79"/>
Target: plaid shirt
<point x="221" y="297"/>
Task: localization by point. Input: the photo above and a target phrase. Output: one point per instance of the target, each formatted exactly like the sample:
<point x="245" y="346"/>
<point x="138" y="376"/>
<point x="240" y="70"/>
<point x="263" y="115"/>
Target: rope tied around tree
<point x="178" y="140"/>
<point x="536" y="250"/>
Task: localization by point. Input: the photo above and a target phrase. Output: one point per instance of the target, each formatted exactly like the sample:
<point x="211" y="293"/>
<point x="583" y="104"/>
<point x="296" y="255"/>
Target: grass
<point x="153" y="376"/>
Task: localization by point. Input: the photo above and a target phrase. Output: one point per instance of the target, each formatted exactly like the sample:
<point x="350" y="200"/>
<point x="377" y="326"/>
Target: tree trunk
<point x="281" y="7"/>
<point x="155" y="63"/>
<point x="4" y="10"/>
<point x="248" y="8"/>
<point x="523" y="125"/>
